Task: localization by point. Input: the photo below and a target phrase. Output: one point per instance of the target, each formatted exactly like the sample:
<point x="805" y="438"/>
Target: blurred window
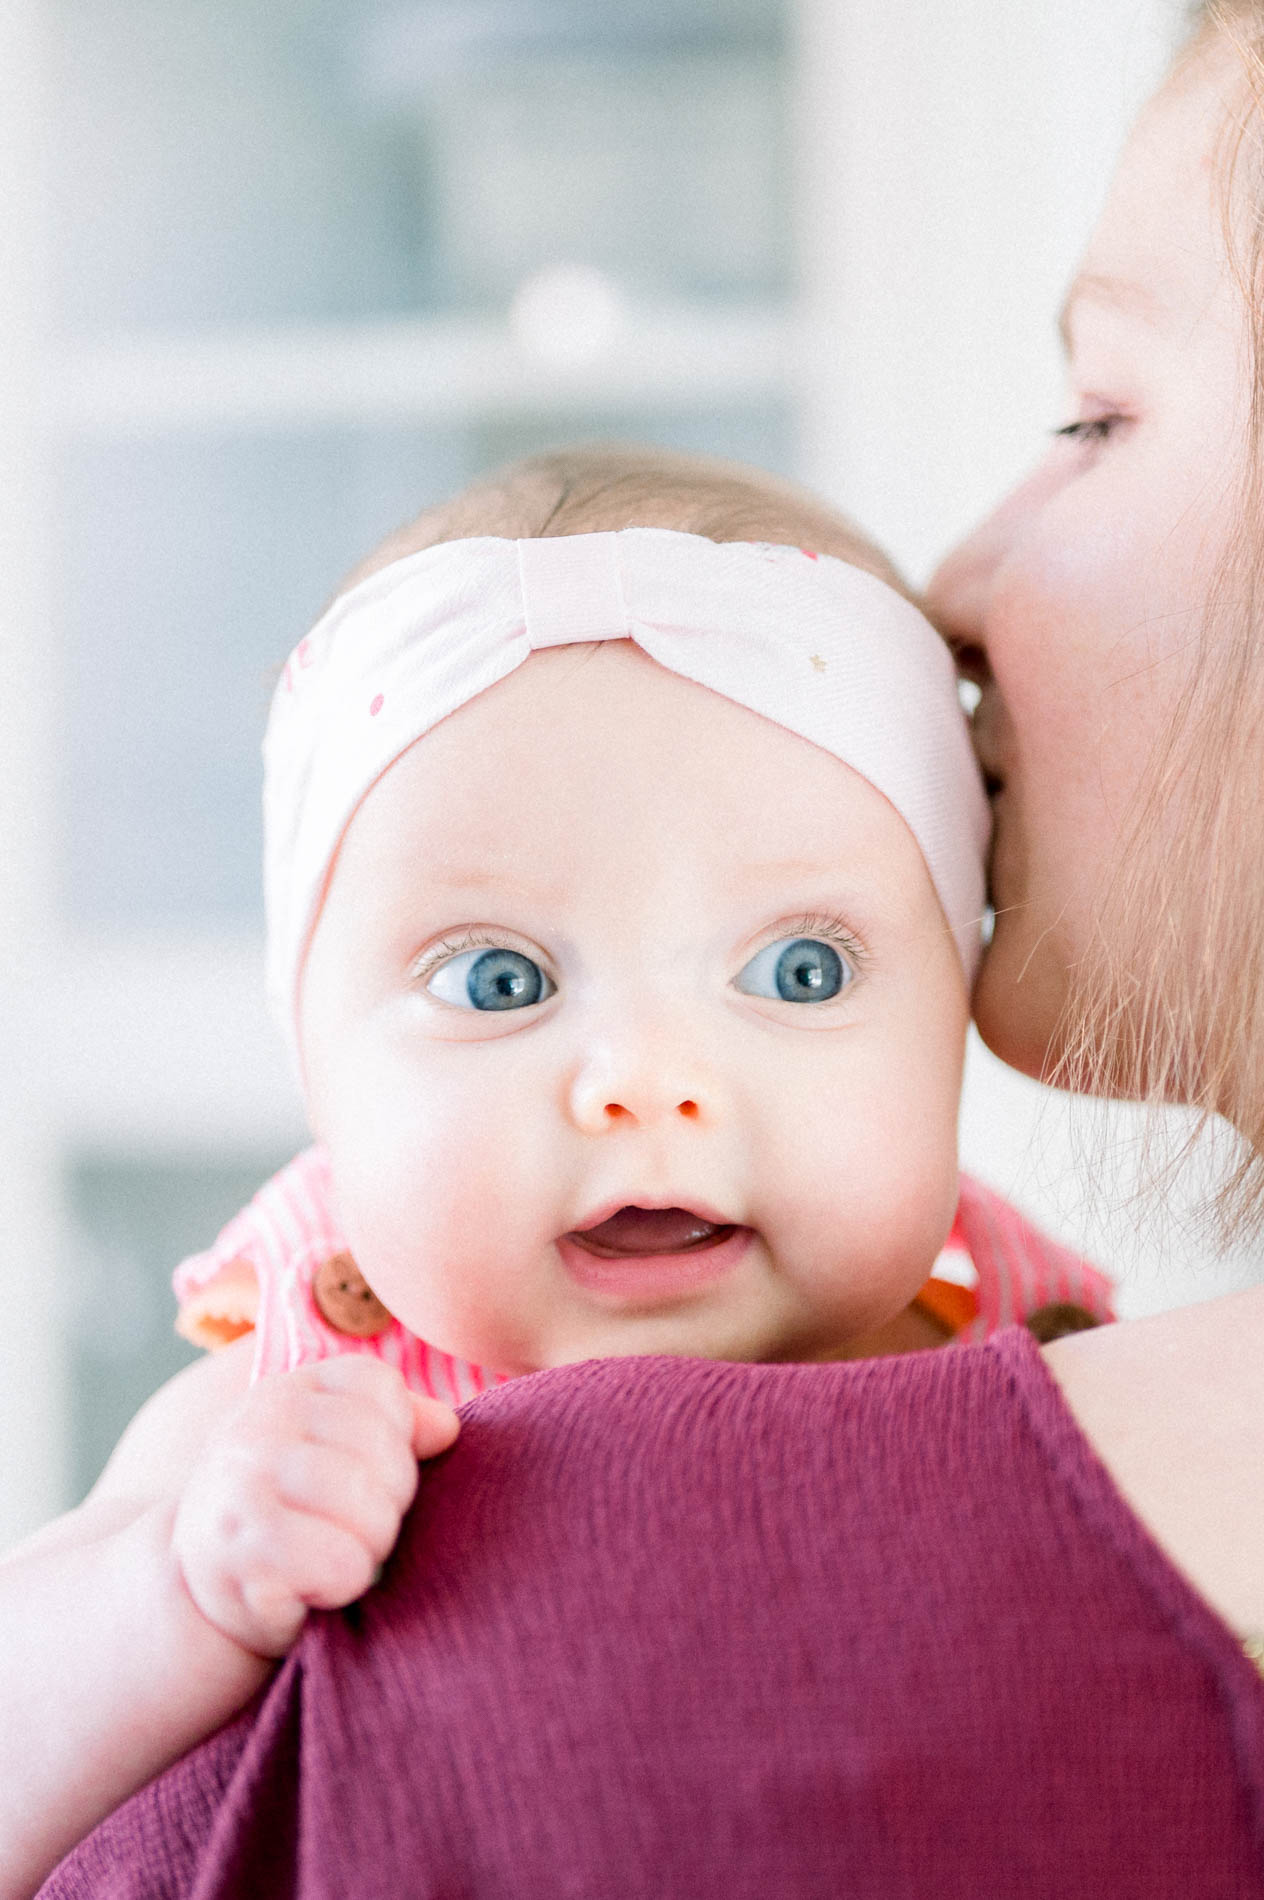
<point x="318" y="264"/>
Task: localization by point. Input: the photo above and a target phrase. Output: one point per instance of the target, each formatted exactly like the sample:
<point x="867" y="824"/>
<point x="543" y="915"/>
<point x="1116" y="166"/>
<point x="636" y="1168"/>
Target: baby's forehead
<point x="491" y="687"/>
<point x="609" y="701"/>
<point x="582" y="749"/>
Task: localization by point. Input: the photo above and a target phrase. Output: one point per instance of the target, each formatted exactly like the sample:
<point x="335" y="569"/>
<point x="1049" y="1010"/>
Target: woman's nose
<point x="958" y="593"/>
<point x="641" y="1085"/>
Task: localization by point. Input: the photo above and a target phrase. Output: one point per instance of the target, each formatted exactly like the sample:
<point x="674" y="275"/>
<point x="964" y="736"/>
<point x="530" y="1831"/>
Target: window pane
<point x="190" y="566"/>
<point x="134" y="1219"/>
<point x="219" y="161"/>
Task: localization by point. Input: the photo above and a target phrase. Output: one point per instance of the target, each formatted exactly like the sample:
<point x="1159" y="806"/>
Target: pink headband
<point x="819" y="647"/>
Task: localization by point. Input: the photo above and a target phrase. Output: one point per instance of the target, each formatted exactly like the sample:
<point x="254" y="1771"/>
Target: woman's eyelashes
<point x="1091" y="428"/>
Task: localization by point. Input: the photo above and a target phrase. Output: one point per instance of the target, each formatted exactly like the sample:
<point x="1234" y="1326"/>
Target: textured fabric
<point x="1019" y="1268"/>
<point x="696" y="1631"/>
<point x="810" y="642"/>
<point x="290" y="1229"/>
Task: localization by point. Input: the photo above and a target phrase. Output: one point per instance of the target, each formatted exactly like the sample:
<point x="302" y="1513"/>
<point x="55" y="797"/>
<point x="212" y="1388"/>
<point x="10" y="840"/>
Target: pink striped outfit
<point x="286" y="1234"/>
<point x="995" y="1269"/>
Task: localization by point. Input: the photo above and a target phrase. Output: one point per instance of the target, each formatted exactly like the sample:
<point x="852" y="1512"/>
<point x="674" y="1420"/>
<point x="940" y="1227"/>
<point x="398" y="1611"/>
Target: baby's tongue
<point x="649" y="1230"/>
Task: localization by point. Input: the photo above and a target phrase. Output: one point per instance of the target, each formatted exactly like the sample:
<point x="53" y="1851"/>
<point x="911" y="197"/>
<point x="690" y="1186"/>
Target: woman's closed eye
<point x="490" y="977"/>
<point x="796" y="970"/>
<point x="1090" y="429"/>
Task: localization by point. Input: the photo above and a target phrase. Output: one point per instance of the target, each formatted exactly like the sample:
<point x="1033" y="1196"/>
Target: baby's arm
<point x="140" y="1622"/>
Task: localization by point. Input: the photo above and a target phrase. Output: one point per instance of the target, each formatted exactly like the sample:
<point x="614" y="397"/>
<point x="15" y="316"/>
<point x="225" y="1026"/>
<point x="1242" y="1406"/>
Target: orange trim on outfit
<point x="954" y="1307"/>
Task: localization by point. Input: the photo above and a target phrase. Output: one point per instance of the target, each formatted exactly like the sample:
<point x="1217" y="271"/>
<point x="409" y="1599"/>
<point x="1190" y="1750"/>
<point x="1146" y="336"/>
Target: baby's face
<point x="605" y="941"/>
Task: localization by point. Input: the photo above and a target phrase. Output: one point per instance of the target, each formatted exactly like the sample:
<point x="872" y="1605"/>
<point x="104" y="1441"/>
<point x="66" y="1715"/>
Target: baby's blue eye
<point x="795" y="970"/>
<point x="490" y="979"/>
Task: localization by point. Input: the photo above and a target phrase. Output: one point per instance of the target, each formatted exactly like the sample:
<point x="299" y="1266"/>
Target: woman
<point x="1109" y="607"/>
<point x="902" y="1637"/>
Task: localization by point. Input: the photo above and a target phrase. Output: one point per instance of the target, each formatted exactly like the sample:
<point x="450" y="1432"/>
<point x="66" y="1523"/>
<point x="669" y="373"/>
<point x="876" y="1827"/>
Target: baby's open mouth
<point x="640" y="1232"/>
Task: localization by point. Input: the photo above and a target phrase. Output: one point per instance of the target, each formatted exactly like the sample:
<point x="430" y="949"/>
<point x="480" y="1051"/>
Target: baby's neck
<point x="913" y="1330"/>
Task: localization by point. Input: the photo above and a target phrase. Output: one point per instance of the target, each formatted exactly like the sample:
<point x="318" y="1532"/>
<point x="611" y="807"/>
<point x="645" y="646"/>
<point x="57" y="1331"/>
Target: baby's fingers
<point x="342" y="1422"/>
<point x="361" y="1377"/>
<point x="428" y="1425"/>
<point x="435" y="1426"/>
<point x="306" y="1563"/>
<point x="395" y="1429"/>
<point x="326" y="1481"/>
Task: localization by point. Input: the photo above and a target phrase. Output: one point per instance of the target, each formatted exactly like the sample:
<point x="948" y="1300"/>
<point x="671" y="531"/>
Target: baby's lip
<point x="633" y="1230"/>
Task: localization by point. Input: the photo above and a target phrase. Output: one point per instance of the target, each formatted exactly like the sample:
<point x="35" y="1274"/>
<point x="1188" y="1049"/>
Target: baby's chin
<point x="678" y="1337"/>
<point x="689" y="1330"/>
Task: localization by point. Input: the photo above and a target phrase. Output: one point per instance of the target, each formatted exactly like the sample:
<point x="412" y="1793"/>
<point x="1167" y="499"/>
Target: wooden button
<point x="346" y="1300"/>
<point x="1058" y="1319"/>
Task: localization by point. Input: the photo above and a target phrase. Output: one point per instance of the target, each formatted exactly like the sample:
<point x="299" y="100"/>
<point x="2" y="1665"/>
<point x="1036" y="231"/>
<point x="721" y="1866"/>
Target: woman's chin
<point x="1019" y="1002"/>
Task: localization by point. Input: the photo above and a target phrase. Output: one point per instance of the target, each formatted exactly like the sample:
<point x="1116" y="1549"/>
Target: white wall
<point x="953" y="156"/>
<point x="32" y="1368"/>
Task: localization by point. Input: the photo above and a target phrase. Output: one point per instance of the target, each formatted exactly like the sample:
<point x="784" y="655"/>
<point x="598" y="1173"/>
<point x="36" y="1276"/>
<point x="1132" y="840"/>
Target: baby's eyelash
<point x="453" y="946"/>
<point x="829" y="925"/>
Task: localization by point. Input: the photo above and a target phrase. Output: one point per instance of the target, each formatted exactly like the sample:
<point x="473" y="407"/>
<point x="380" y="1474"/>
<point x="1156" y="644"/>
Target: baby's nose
<point x="636" y="1088"/>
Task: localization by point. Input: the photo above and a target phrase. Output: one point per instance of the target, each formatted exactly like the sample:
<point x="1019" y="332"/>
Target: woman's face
<point x="1080" y="597"/>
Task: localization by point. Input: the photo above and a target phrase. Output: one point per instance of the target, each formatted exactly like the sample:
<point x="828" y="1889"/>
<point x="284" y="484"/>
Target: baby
<point x="625" y="879"/>
<point x="430" y="1161"/>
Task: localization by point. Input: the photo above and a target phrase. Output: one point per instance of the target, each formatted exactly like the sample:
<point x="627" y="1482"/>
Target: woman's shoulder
<point x="1173" y="1406"/>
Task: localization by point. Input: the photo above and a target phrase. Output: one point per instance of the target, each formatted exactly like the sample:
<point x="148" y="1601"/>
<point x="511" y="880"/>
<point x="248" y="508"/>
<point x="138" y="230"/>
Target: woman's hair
<point x="1167" y="1005"/>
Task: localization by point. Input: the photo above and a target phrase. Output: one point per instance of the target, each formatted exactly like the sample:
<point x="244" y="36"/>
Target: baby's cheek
<point x="870" y="1198"/>
<point x="439" y="1211"/>
<point x="866" y="1252"/>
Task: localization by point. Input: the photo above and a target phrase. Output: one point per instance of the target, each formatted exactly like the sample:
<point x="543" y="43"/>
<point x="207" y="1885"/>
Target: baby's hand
<point x="298" y="1496"/>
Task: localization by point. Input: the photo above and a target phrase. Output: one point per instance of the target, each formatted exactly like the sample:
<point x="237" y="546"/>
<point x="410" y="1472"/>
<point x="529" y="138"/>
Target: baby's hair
<point x="605" y="486"/>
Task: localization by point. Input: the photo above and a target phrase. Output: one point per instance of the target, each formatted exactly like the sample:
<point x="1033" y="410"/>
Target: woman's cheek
<point x="1042" y="621"/>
